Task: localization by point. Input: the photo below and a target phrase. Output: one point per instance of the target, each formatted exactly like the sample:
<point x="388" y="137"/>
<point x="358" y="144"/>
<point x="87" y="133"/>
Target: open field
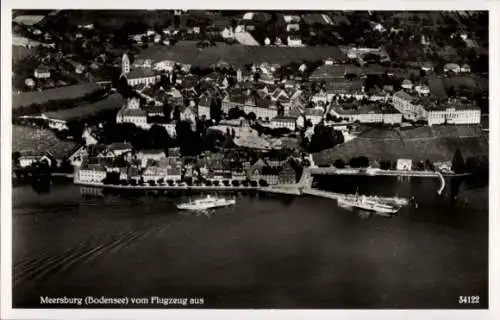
<point x="111" y="18"/>
<point x="237" y="54"/>
<point x="112" y="102"/>
<point x="435" y="144"/>
<point x="439" y="86"/>
<point x="39" y="140"/>
<point x="28" y="20"/>
<point x="472" y="82"/>
<point x="39" y="97"/>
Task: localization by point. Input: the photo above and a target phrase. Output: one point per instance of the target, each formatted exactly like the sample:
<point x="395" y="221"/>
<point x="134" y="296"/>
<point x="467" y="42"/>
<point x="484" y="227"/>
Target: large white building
<point x="142" y="75"/>
<point x="284" y="122"/>
<point x="408" y="106"/>
<point x="315" y="115"/>
<point x="454" y="114"/>
<point x="372" y="113"/>
<point x="132" y="113"/>
<point x="91" y="171"/>
<point x="249" y="103"/>
<point x="204" y="106"/>
<point x="41" y="73"/>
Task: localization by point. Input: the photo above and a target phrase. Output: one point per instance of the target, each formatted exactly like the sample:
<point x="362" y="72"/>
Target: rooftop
<point x="347" y="109"/>
<point x="140" y="72"/>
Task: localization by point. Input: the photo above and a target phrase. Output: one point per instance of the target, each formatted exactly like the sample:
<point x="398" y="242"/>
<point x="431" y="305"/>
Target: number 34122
<point x="468" y="299"/>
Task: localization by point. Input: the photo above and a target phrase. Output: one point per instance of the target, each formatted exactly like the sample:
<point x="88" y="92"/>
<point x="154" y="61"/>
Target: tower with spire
<point x="239" y="76"/>
<point x="125" y="64"/>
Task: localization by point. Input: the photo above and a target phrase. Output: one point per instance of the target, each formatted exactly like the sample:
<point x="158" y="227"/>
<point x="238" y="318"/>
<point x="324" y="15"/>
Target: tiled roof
<point x="344" y="86"/>
<point x="403" y="95"/>
<point x="120" y="146"/>
<point x="137" y="73"/>
<point x="134" y="113"/>
<point x="364" y="109"/>
<point x="313" y="112"/>
<point x="205" y="99"/>
<point x="285" y="119"/>
<point x="151" y="152"/>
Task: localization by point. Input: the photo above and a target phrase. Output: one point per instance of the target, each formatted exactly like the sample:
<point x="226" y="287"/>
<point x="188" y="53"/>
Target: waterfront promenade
<point x="379" y="172"/>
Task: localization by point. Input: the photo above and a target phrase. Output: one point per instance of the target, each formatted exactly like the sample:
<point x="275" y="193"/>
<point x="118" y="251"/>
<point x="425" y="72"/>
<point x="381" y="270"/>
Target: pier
<point x="370" y="172"/>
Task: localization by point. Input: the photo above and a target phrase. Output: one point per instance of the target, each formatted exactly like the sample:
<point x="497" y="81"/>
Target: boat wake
<point x="45" y="266"/>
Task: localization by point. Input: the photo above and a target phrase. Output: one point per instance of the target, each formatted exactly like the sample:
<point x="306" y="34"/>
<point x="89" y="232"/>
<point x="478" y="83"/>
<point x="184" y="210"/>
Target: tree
<point x="354" y="162"/>
<point x="157" y="137"/>
<point x="235" y="183"/>
<point x="234" y="113"/>
<point x="364" y="162"/>
<point x="251" y="116"/>
<point x="458" y="164"/>
<point x="385" y="165"/>
<point x="339" y="163"/>
<point x="216" y="109"/>
<point x="15" y="158"/>
<point x="124" y="88"/>
<point x="165" y="81"/>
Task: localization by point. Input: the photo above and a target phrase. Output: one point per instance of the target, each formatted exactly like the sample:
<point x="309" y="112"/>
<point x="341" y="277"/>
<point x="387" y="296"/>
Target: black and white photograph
<point x="181" y="159"/>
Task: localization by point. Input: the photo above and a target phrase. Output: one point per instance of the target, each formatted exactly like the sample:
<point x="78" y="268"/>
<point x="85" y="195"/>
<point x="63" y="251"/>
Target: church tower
<point x="239" y="76"/>
<point x="125" y="64"/>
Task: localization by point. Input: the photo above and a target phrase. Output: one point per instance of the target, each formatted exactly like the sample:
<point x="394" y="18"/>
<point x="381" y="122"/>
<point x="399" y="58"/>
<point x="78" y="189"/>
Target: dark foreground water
<point x="268" y="251"/>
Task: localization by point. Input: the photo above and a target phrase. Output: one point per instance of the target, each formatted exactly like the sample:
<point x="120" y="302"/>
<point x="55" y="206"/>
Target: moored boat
<point x="206" y="203"/>
<point x="368" y="204"/>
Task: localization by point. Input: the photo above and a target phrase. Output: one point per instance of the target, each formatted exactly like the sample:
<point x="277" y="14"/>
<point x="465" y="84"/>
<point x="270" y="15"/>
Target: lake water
<point x="268" y="251"/>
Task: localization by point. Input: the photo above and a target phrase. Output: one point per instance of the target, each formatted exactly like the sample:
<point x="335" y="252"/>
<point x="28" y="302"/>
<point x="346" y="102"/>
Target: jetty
<point x="371" y="172"/>
<point x="335" y="196"/>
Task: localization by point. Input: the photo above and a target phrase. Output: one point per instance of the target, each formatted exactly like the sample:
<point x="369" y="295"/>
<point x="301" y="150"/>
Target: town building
<point x="132" y="113"/>
<point x="408" y="106"/>
<point x="294" y="41"/>
<point x="41" y="73"/>
<point x="407" y="84"/>
<point x="315" y="115"/>
<point x="204" y="106"/>
<point x="453" y="113"/>
<point x="142" y="75"/>
<point x="249" y="102"/>
<point x="345" y="89"/>
<point x="292" y="27"/>
<point x="422" y="90"/>
<point x="284" y="122"/>
<point x="287" y="174"/>
<point x="228" y="33"/>
<point x="116" y="149"/>
<point x="164" y="65"/>
<point x="404" y="164"/>
<point x="451" y="67"/>
<point x="368" y="113"/>
<point x="142" y="63"/>
<point x="92" y="170"/>
<point x="145" y="155"/>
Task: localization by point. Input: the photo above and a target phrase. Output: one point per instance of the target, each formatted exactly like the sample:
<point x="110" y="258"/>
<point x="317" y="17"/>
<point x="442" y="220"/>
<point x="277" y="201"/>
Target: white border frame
<point x="6" y="186"/>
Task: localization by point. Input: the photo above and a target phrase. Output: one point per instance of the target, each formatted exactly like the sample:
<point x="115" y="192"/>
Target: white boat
<point x="206" y="203"/>
<point x="368" y="204"/>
